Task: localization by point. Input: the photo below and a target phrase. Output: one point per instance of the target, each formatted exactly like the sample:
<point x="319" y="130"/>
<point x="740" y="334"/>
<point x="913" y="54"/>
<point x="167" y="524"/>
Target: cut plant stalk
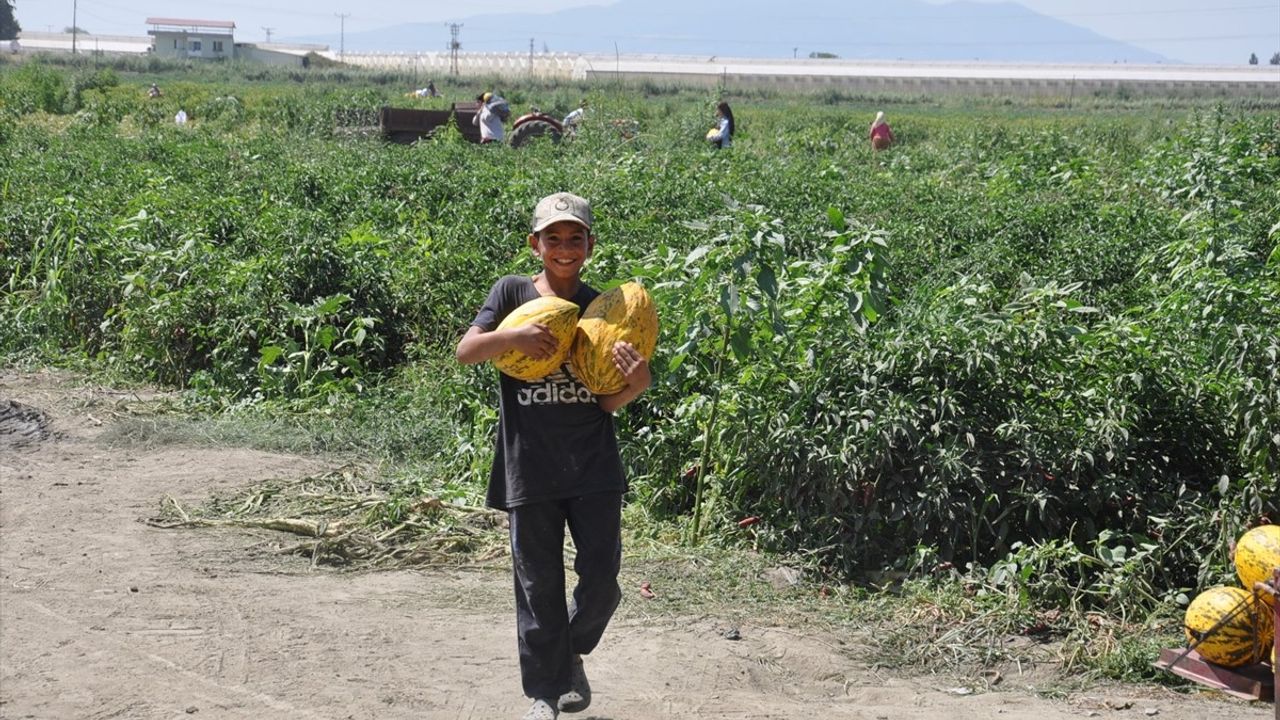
<point x="706" y="434"/>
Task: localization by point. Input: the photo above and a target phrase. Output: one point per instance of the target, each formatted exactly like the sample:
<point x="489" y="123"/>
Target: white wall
<point x="251" y="53"/>
<point x="32" y="42"/>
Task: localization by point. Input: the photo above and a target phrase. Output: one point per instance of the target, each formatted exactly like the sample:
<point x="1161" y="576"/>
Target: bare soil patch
<point x="104" y="616"/>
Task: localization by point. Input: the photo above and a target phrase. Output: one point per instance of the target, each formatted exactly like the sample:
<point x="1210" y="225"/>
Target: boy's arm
<point x="635" y="371"/>
<point x="534" y="340"/>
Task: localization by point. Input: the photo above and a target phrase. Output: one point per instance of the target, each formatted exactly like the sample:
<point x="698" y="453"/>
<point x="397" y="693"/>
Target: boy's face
<point x="564" y="247"/>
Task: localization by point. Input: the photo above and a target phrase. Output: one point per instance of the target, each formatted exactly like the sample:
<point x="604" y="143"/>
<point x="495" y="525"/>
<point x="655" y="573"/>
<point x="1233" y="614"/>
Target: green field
<point x="1032" y="347"/>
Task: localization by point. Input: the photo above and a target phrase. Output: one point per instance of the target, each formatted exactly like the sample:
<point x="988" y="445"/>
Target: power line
<point x="105" y="21"/>
<point x="139" y="8"/>
<point x="291" y="10"/>
<point x="935" y="17"/>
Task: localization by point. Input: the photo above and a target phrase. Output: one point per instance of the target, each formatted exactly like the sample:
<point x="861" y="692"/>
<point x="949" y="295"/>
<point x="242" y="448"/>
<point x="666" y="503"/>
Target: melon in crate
<point x="1226" y="626"/>
<point x="1257" y="556"/>
<point x="560" y="316"/>
<point x="625" y="313"/>
<point x="1267" y="634"/>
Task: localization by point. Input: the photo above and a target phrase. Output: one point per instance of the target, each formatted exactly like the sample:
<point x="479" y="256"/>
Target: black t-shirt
<point x="554" y="441"/>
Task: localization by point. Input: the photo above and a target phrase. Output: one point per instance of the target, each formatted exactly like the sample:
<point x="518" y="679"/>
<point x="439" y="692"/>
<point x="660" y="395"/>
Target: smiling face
<point x="563" y="247"/>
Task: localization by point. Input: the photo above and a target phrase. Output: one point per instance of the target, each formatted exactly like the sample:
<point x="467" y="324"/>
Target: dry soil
<point x="103" y="616"/>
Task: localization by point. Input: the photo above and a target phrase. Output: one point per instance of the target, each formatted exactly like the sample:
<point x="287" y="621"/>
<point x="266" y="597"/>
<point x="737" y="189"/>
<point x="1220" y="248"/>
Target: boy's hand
<point x="535" y="340"/>
<point x="632" y="365"/>
<point x="635" y="371"/>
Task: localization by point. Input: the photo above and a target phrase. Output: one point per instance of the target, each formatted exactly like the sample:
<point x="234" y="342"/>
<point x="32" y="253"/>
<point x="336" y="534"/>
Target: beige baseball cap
<point x="561" y="206"/>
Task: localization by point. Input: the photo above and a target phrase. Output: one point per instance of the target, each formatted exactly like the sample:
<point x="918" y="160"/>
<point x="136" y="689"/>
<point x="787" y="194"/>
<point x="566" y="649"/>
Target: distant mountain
<point x="856" y="29"/>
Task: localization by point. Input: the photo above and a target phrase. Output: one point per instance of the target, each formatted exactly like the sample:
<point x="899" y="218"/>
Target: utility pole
<point x="268" y="30"/>
<point x="530" y="57"/>
<point x="454" y="45"/>
<point x="342" y="34"/>
<point x="794" y="50"/>
<point x="74" y="30"/>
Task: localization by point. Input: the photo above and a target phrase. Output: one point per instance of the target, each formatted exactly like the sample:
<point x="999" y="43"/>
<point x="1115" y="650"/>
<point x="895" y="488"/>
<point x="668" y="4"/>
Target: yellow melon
<point x="1226" y="624"/>
<point x="1257" y="557"/>
<point x="625" y="313"/>
<point x="560" y="316"/>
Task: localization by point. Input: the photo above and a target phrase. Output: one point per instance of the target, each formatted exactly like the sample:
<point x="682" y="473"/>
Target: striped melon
<point x="1237" y="640"/>
<point x="558" y="314"/>
<point x="625" y="313"/>
<point x="1257" y="557"/>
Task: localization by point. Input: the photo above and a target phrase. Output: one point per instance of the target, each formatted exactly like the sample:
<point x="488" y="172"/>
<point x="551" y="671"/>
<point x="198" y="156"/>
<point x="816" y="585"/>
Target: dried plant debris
<point x="351" y="522"/>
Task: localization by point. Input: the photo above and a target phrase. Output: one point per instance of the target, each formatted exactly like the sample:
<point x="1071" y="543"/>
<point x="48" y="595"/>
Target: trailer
<point x="408" y="125"/>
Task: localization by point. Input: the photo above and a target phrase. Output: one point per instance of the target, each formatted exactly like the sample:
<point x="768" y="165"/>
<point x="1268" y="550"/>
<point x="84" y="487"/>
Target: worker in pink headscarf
<point x="881" y="135"/>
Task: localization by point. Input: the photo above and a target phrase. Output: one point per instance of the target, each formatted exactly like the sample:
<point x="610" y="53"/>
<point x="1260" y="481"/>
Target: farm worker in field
<point x="881" y="135"/>
<point x="488" y="119"/>
<point x="154" y="91"/>
<point x="180" y="118"/>
<point x="556" y="464"/>
<point x="431" y="89"/>
<point x="574" y="119"/>
<point x="722" y="134"/>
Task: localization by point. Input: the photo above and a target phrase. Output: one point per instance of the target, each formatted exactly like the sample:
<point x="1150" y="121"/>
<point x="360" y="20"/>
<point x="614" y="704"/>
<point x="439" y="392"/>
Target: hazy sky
<point x="1188" y="30"/>
<point x="1196" y="32"/>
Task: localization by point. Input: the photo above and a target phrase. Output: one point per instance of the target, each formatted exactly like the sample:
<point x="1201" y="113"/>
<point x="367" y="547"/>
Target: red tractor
<point x="535" y="124"/>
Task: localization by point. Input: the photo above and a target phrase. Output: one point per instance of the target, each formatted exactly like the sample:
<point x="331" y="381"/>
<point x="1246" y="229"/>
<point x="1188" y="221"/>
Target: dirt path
<point x="102" y="616"/>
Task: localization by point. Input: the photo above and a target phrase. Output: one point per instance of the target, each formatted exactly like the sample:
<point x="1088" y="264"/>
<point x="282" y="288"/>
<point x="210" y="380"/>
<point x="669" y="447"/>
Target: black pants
<point x="549" y="632"/>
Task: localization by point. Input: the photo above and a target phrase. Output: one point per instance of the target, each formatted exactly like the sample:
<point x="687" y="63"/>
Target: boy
<point x="556" y="464"/>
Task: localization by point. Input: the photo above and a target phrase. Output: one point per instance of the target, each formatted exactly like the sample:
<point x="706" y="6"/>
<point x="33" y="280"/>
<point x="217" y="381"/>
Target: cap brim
<point x="560" y="218"/>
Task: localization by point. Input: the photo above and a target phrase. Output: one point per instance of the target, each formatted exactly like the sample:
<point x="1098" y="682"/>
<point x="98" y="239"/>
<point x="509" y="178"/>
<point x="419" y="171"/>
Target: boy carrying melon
<point x="556" y="463"/>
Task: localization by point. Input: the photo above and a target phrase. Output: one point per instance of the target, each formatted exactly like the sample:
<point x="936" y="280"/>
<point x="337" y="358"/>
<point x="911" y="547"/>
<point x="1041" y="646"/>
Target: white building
<point x="43" y="42"/>
<point x="175" y="39"/>
<point x="182" y="38"/>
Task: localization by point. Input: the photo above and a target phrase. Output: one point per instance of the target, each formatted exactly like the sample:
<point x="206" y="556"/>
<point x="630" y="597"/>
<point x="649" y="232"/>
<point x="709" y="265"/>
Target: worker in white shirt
<point x="489" y="120"/>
